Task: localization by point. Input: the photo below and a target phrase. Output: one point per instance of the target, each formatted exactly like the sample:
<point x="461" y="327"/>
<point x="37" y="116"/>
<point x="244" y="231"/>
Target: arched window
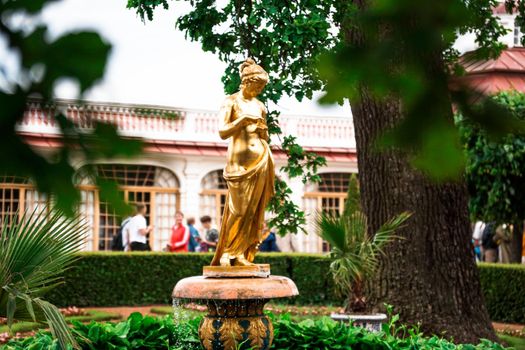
<point x="213" y="196"/>
<point x="327" y="196"/>
<point x="17" y="196"/>
<point x="12" y="195"/>
<point x="156" y="187"/>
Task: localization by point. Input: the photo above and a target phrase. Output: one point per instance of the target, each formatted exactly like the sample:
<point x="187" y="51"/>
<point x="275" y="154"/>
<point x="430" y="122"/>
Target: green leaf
<point x="81" y="56"/>
<point x="29" y="6"/>
<point x="10" y="309"/>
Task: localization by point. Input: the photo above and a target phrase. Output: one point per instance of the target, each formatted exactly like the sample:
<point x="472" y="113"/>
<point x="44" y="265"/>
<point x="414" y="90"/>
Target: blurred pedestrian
<point x="476" y="239"/>
<point x="269" y="243"/>
<point x="195" y="238"/>
<point x="523" y="248"/>
<point x="489" y="243"/>
<point x="120" y="241"/>
<point x="503" y="238"/>
<point x="180" y="235"/>
<point x="211" y="235"/>
<point x="138" y="229"/>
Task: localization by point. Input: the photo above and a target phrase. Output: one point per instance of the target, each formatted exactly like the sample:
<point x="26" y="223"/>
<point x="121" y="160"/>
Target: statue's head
<point x="253" y="77"/>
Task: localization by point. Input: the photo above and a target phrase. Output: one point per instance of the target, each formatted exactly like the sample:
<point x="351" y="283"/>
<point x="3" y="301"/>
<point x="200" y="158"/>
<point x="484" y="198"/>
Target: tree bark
<point x="516" y="243"/>
<point x="429" y="276"/>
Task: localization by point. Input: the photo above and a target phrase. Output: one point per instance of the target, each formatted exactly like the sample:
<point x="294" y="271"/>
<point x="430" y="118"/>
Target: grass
<point x="168" y="310"/>
<point x="515" y="342"/>
<point x="91" y="315"/>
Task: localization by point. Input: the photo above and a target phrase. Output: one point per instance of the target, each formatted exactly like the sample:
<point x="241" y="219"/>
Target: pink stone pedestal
<point x="235" y="318"/>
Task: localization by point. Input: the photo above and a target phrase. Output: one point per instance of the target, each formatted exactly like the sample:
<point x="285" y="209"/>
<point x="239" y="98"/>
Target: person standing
<point x="476" y="239"/>
<point x="523" y="248"/>
<point x="489" y="243"/>
<point x="503" y="237"/>
<point x="138" y="229"/>
<point x="180" y="235"/>
<point x="211" y="235"/>
<point x="269" y="244"/>
<point x="120" y="240"/>
<point x="195" y="238"/>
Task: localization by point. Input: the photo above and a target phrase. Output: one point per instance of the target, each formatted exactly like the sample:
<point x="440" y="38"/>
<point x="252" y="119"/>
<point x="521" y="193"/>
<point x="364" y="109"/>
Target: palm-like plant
<point x="34" y="253"/>
<point x="354" y="251"/>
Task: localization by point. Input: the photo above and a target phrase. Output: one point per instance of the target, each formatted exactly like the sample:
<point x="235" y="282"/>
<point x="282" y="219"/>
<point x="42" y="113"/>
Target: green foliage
<point x="310" y="272"/>
<point x="137" y="332"/>
<point x="517" y="343"/>
<point x="119" y="279"/>
<point x="91" y="315"/>
<point x="34" y="253"/>
<point x="390" y="49"/>
<point x="152" y="333"/>
<point x="396" y="55"/>
<point x="149" y="278"/>
<point x="495" y="167"/>
<point x="288" y="217"/>
<point x="325" y="334"/>
<point x="300" y="162"/>
<point x="354" y="251"/>
<point x="79" y="56"/>
<point x="502" y="287"/>
<point x="353" y="197"/>
<point x="142" y="278"/>
<point x="285" y="38"/>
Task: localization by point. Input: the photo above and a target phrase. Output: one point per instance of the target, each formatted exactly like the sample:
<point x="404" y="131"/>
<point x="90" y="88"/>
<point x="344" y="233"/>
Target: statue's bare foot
<point x="225" y="260"/>
<point x="240" y="260"/>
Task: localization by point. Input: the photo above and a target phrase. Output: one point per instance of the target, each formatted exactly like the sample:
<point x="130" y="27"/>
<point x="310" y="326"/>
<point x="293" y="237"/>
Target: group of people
<point x="492" y="242"/>
<point x="185" y="237"/>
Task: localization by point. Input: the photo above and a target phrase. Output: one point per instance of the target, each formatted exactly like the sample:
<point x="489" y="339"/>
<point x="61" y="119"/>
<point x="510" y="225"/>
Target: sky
<point x="152" y="63"/>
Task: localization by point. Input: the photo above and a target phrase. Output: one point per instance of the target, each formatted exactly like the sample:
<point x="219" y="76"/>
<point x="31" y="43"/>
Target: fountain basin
<point x="208" y="288"/>
<point x="235" y="318"/>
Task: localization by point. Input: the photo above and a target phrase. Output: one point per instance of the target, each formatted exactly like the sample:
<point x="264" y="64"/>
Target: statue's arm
<point x="229" y="128"/>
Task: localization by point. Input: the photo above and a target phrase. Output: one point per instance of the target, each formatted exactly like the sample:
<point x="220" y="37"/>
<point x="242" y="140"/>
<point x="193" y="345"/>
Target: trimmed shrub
<point x="311" y="274"/>
<point x="113" y="279"/>
<point x="504" y="290"/>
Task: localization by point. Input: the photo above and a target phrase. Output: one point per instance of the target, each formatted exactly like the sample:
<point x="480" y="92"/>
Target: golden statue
<point x="249" y="171"/>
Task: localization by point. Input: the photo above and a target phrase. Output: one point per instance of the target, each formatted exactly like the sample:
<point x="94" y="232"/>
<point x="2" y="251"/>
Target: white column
<point x="190" y="203"/>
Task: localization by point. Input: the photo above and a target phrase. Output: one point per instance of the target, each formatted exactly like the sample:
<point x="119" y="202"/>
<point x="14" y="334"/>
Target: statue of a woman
<point x="249" y="171"/>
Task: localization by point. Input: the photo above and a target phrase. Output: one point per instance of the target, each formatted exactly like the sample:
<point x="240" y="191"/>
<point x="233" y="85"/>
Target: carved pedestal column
<point x="236" y="324"/>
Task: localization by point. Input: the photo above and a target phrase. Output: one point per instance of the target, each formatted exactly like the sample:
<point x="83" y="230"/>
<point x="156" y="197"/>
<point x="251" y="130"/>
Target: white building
<point x="181" y="168"/>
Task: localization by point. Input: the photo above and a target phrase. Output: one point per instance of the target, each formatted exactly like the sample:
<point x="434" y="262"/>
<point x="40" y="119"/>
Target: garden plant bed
<point x="146" y="332"/>
<point x="24" y="329"/>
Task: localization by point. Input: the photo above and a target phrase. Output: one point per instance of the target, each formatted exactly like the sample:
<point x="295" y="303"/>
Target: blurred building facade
<point x="181" y="167"/>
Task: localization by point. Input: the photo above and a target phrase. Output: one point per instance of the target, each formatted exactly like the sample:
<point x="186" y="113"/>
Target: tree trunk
<point x="516" y="243"/>
<point x="430" y="276"/>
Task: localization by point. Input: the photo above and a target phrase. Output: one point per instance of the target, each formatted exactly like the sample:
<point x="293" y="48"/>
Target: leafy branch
<point x="80" y="56"/>
<point x="286" y="38"/>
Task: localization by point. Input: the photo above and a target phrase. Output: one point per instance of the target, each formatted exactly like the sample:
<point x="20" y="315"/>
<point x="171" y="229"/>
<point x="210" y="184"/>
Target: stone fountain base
<point x="235" y="318"/>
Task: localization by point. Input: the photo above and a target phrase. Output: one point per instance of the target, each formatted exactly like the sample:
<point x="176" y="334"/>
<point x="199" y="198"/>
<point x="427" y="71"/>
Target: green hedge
<point x="112" y="279"/>
<point x="504" y="289"/>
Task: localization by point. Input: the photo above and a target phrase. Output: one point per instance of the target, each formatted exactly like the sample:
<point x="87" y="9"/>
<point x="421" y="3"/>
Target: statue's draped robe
<point x="249" y="192"/>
